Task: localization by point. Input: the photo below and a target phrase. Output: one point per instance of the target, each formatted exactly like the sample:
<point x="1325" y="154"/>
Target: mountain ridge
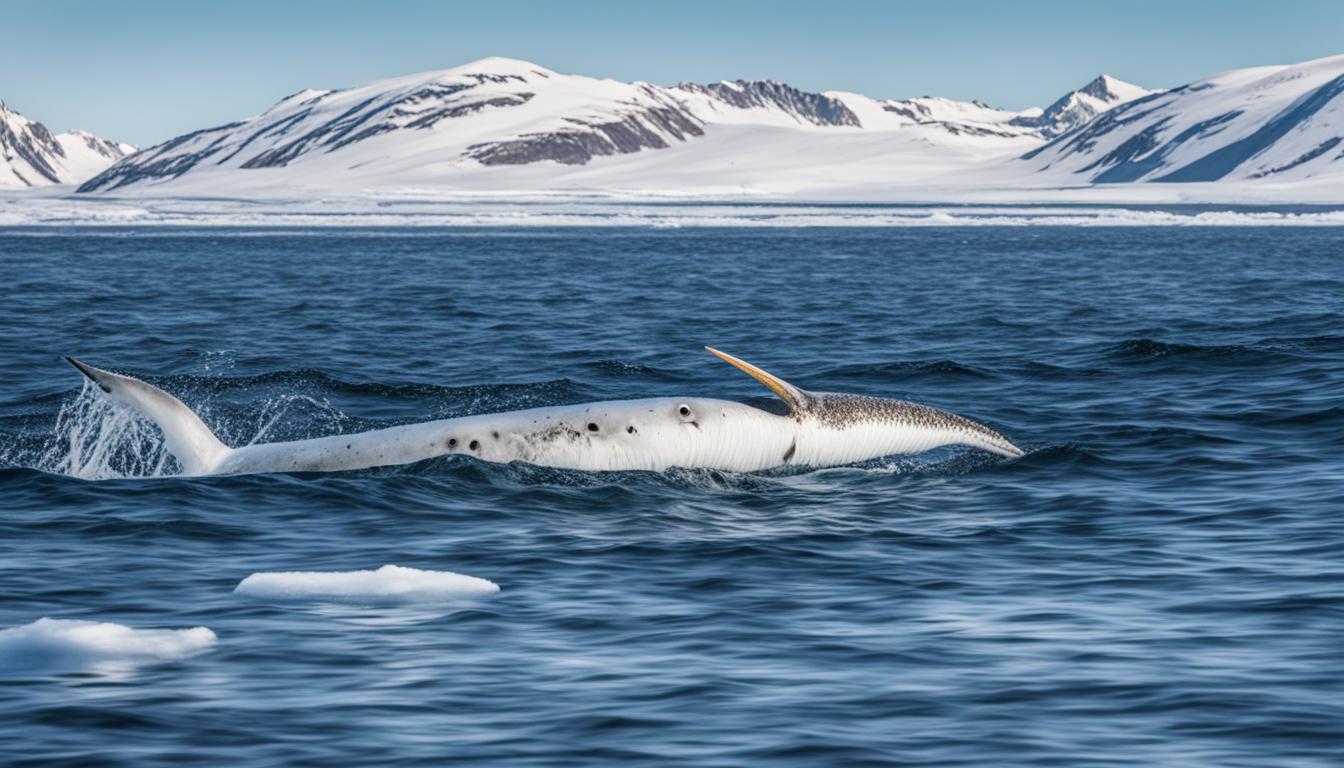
<point x="508" y="112"/>
<point x="32" y="156"/>
<point x="498" y="125"/>
<point x="1253" y="123"/>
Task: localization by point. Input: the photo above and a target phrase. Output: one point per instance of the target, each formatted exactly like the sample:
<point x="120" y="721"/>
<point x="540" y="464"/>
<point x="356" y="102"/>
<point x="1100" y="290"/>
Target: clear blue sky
<point x="144" y="71"/>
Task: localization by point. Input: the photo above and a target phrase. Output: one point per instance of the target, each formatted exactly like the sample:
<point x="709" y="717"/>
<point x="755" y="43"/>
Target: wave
<point x="1318" y="420"/>
<point x="316" y="379"/>
<point x="71" y="644"/>
<point x="898" y="368"/>
<point x="389" y="584"/>
<point x="1148" y="348"/>
<point x="614" y="367"/>
<point x="1152" y="348"/>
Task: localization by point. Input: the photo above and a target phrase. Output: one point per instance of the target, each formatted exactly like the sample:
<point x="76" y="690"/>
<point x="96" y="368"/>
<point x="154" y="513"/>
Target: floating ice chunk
<point x="73" y="644"/>
<point x="389" y="584"/>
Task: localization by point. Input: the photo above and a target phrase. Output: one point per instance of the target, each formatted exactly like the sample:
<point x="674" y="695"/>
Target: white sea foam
<point x="71" y="644"/>
<point x="389" y="584"/>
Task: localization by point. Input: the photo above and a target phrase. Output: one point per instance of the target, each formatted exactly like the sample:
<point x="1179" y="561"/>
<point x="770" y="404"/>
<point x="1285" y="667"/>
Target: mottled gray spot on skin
<point x="555" y="433"/>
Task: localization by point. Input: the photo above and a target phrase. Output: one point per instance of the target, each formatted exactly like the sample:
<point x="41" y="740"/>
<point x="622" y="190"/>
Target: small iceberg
<point x="390" y="584"/>
<point x="70" y="644"/>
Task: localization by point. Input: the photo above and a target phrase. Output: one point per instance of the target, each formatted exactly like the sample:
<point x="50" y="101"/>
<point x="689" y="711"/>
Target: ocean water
<point x="1159" y="581"/>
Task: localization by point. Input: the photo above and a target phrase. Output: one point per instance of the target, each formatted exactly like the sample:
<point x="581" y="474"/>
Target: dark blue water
<point x="1160" y="581"/>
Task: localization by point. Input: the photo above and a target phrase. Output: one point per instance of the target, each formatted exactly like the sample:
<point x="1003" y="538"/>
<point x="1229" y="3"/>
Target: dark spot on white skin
<point x="475" y="444"/>
<point x="793" y="446"/>
<point x="592" y="426"/>
<point x="452" y="442"/>
<point x="684" y="411"/>
<point x="631" y="430"/>
<point x="495" y="435"/>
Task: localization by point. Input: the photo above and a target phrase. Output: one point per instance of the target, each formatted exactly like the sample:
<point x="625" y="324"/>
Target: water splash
<point x="97" y="439"/>
<point x="319" y="417"/>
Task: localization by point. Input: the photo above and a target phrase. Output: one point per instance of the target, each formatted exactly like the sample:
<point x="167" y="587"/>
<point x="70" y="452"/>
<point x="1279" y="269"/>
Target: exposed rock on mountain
<point x="492" y="112"/>
<point x="814" y="108"/>
<point x="31" y="155"/>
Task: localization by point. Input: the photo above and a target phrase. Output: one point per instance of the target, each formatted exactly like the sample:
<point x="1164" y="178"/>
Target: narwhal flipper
<point x="184" y="434"/>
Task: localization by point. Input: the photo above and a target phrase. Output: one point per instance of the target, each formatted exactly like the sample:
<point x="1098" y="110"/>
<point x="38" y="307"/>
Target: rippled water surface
<point x="1160" y="581"/>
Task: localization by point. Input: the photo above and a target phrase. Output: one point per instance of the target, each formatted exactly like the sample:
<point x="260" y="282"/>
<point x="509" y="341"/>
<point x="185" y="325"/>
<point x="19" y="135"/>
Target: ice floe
<point x="71" y="644"/>
<point x="1315" y="204"/>
<point x="389" y="584"/>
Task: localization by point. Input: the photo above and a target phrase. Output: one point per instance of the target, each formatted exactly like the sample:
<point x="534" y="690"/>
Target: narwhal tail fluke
<point x="184" y="434"/>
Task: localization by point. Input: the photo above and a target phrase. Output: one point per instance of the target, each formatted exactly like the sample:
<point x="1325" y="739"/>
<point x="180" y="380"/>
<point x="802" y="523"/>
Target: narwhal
<point x="817" y="429"/>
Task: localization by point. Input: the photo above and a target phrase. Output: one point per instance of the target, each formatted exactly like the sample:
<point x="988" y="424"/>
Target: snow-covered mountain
<point x="465" y="128"/>
<point x="977" y="118"/>
<point x="487" y="113"/>
<point x="504" y="127"/>
<point x="1282" y="123"/>
<point x="32" y="156"/>
<point x="961" y="117"/>
<point x="1081" y="106"/>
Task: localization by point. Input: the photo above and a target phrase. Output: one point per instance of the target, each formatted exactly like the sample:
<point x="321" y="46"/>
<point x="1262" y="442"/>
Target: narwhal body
<point x="818" y="430"/>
